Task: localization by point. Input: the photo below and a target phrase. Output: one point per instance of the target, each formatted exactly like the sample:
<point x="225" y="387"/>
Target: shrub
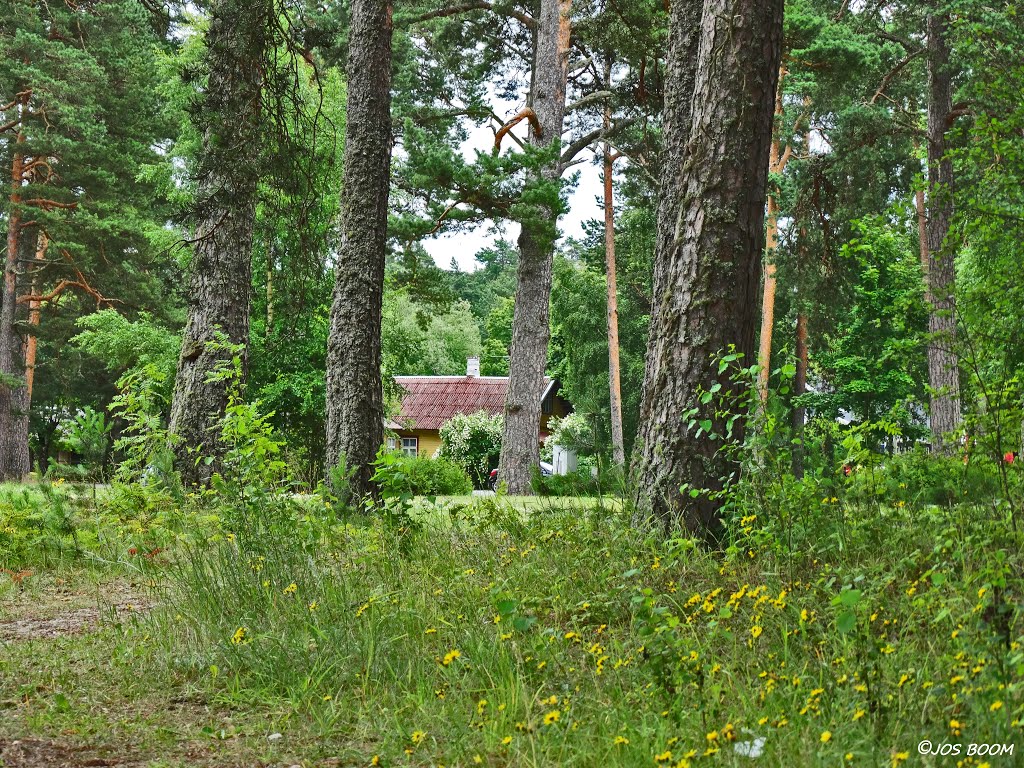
<point x="572" y="484"/>
<point x="473" y="442"/>
<point x="573" y="432"/>
<point x="86" y="435"/>
<point x="399" y="475"/>
<point x="36" y="525"/>
<point x="917" y="478"/>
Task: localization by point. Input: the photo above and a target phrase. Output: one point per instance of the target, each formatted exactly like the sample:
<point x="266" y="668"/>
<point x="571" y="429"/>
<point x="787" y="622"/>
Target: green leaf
<point x="507" y="607"/>
<point x="850" y="597"/>
<point x="523" y="623"/>
<point x="846" y="622"/>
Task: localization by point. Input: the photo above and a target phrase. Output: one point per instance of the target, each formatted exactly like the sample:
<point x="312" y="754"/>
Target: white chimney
<point x="472" y="366"/>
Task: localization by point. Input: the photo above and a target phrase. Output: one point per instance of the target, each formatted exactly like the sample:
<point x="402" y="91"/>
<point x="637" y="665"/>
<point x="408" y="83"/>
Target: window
<point x="391" y="444"/>
<point x="410" y="446"/>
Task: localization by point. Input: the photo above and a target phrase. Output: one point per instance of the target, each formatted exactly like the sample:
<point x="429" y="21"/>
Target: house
<point x="431" y="401"/>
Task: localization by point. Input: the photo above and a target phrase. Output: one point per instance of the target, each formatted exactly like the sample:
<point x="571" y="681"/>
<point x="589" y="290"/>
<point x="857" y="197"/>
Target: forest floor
<point x="483" y="634"/>
<point x="74" y="689"/>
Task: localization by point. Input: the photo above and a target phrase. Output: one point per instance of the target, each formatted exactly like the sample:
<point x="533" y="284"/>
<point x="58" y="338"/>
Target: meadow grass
<point x="480" y="633"/>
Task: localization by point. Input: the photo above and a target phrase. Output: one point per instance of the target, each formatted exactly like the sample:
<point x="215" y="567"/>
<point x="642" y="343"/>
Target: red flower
<point x="1010" y="456"/>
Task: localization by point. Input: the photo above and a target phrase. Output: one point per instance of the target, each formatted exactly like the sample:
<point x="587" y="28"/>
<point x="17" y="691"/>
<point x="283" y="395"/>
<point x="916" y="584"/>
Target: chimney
<point x="473" y="366"/>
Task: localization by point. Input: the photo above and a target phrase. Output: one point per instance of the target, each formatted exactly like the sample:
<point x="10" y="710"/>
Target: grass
<point x="483" y="632"/>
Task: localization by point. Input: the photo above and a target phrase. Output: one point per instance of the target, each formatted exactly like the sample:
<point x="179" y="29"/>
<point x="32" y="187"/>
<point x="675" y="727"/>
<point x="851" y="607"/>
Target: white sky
<point x="584" y="202"/>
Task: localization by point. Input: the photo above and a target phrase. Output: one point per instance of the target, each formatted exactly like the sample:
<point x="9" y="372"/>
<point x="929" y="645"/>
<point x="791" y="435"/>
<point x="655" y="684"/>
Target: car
<point x="546" y="470"/>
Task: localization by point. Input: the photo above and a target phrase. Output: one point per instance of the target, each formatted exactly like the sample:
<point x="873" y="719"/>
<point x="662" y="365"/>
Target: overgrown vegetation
<point x="813" y="558"/>
<point x="846" y="617"/>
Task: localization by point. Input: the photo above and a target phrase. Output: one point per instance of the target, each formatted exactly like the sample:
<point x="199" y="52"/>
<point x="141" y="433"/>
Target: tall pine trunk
<point x="14" y="455"/>
<point x="708" y="258"/>
<point x="520" y="446"/>
<point x="777" y="161"/>
<point x="800" y="389"/>
<point x="943" y="360"/>
<point x="35" y="307"/>
<point x="355" y="401"/>
<point x="219" y="285"/>
<point x="764" y="355"/>
<point x="614" y="377"/>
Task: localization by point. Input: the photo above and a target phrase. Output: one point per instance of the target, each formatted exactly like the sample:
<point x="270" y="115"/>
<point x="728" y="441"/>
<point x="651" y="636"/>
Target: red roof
<point x="430" y="401"/>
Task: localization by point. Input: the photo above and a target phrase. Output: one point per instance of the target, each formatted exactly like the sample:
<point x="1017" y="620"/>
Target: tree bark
<point x="355" y="401"/>
<point x="777" y="161"/>
<point x="680" y="78"/>
<point x="219" y="285"/>
<point x="614" y="377"/>
<point x="943" y="360"/>
<point x="708" y="258"/>
<point x="764" y="355"/>
<point x="14" y="455"/>
<point x="520" y="446"/>
<point x="34" y="318"/>
<point x="800" y="388"/>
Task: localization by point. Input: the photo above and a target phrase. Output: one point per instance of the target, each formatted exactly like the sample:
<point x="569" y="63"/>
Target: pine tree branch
<point x="893" y="72"/>
<point x="589" y="138"/>
<point x="81" y="283"/>
<point x="442" y="217"/>
<point x="908" y="45"/>
<point x="526" y="114"/>
<point x="475" y="5"/>
<point x="49" y="205"/>
<point x="586" y="101"/>
<point x="960" y="109"/>
<point x="499" y="121"/>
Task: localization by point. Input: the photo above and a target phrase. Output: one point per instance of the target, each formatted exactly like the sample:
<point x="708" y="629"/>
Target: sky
<point x="584" y="202"/>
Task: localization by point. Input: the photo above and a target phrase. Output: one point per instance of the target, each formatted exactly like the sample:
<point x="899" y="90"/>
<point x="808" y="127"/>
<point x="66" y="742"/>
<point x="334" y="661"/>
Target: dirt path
<point x="62" y="706"/>
<point x="39" y="753"/>
<point x="49" y="609"/>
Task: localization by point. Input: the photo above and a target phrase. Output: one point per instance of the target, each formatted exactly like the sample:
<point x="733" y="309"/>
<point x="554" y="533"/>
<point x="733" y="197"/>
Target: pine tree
<point x="943" y="360"/>
<point x="520" y="442"/>
<point x="707" y="265"/>
<point x="228" y="117"/>
<point x="80" y="117"/>
<point x="355" y="402"/>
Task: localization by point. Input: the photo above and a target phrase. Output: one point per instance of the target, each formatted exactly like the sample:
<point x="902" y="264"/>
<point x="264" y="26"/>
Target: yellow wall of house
<point x="557" y="409"/>
<point x="429" y="441"/>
